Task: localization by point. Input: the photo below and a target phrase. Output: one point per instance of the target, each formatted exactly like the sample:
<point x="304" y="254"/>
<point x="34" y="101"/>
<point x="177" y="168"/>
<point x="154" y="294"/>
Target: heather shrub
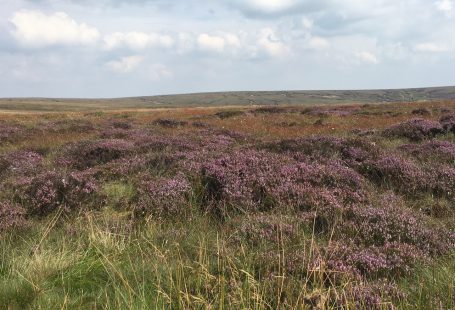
<point x="389" y="260"/>
<point x="146" y="142"/>
<point x="415" y="130"/>
<point x="448" y="122"/>
<point x="443" y="180"/>
<point x="169" y="123"/>
<point x="376" y="295"/>
<point x="48" y="191"/>
<point x="12" y="216"/>
<point x="350" y="150"/>
<point x="121" y="125"/>
<point x="229" y="114"/>
<point x="273" y="110"/>
<point x="85" y="154"/>
<point x="159" y="163"/>
<point x="199" y="124"/>
<point x="163" y="196"/>
<point x="10" y="132"/>
<point x="20" y="162"/>
<point x="397" y="173"/>
<point x="258" y="229"/>
<point x="259" y="181"/>
<point x="66" y="125"/>
<point x="434" y="151"/>
<point x="391" y="223"/>
<point x="421" y="111"/>
<point x="328" y="111"/>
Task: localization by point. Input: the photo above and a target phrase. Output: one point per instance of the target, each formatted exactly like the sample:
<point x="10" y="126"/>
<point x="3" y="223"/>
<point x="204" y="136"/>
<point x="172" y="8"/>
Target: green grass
<point x="96" y="261"/>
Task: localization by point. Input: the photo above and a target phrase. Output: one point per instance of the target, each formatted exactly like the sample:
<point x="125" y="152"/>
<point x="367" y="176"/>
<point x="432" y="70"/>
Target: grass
<point x="94" y="261"/>
<point x="105" y="257"/>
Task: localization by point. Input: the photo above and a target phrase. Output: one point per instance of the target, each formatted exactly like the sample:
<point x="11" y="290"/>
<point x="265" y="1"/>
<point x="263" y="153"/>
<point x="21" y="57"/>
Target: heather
<point x="332" y="207"/>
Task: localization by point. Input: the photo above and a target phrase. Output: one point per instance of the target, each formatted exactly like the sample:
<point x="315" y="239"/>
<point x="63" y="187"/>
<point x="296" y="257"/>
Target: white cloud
<point x="367" y="57"/>
<point x="430" y="47"/>
<point x="125" y="64"/>
<point x="137" y="40"/>
<point x="444" y="5"/>
<point x="273" y="45"/>
<point x="160" y="72"/>
<point x="218" y="43"/>
<point x="318" y="43"/>
<point x="307" y="23"/>
<point x="208" y="42"/>
<point x="270" y="6"/>
<point x="36" y="29"/>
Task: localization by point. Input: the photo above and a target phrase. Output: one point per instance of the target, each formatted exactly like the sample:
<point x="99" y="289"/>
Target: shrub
<point x="121" y="125"/>
<point x="259" y="180"/>
<point x="421" y="111"/>
<point x="393" y="171"/>
<point x="87" y="154"/>
<point x="67" y="125"/>
<point x="443" y="180"/>
<point x="229" y="114"/>
<point x="10" y="132"/>
<point x="317" y="148"/>
<point x="391" y="223"/>
<point x="169" y="123"/>
<point x="46" y="192"/>
<point x="415" y="130"/>
<point x="257" y="229"/>
<point x="436" y="151"/>
<point x="273" y="110"/>
<point x="164" y="196"/>
<point x="448" y="122"/>
<point x="20" y="162"/>
<point x="12" y="216"/>
<point x="389" y="260"/>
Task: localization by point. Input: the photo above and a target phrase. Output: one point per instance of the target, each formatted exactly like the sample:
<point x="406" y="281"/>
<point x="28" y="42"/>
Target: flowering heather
<point x="421" y="111"/>
<point x="390" y="259"/>
<point x="316" y="148"/>
<point x="48" y="191"/>
<point x="274" y="110"/>
<point x="157" y="163"/>
<point x="260" y="228"/>
<point x="146" y="141"/>
<point x="448" y="122"/>
<point x="229" y="114"/>
<point x="435" y="150"/>
<point x="20" y="162"/>
<point x="87" y="154"/>
<point x="12" y="216"/>
<point x="169" y="123"/>
<point x="377" y="295"/>
<point x="443" y="180"/>
<point x="121" y="125"/>
<point x="10" y="132"/>
<point x="415" y="130"/>
<point x="395" y="172"/>
<point x="66" y="125"/>
<point x="258" y="180"/>
<point x="335" y="111"/>
<point x="378" y="226"/>
<point x="164" y="196"/>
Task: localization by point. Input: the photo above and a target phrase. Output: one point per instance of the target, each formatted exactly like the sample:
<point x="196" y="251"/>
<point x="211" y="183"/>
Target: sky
<point x="120" y="48"/>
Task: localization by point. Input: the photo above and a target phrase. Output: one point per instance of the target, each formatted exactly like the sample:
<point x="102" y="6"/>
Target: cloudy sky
<point x="111" y="48"/>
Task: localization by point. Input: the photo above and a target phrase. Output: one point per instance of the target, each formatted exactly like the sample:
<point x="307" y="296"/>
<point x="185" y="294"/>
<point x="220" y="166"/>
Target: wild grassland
<point x="289" y="207"/>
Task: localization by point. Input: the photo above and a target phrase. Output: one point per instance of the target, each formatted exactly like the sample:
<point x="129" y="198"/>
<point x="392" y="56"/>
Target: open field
<point x="296" y="206"/>
<point x="230" y="99"/>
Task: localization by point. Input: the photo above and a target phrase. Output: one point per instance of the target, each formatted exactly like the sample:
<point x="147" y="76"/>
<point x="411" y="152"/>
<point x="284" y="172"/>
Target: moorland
<point x="334" y="204"/>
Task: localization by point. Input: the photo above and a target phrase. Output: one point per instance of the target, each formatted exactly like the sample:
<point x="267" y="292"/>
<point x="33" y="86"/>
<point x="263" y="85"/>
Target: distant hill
<point x="243" y="98"/>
